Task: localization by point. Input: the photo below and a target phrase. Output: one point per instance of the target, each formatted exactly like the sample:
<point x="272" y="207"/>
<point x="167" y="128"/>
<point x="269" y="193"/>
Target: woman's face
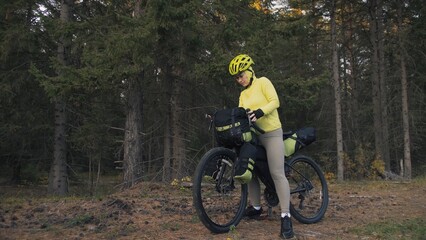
<point x="242" y="79"/>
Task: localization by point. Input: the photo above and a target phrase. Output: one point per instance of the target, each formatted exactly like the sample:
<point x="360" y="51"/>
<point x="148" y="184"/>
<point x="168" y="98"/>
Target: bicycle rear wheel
<point x="308" y="188"/>
<point x="218" y="200"/>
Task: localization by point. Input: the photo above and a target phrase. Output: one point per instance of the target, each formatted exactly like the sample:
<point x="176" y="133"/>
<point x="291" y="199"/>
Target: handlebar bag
<point x="231" y="127"/>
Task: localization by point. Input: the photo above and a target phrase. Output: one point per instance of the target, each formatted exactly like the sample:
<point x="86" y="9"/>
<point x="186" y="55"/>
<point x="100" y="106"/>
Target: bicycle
<point x="220" y="201"/>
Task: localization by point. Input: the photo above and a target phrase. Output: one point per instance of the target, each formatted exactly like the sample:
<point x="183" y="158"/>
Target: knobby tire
<point x="219" y="202"/>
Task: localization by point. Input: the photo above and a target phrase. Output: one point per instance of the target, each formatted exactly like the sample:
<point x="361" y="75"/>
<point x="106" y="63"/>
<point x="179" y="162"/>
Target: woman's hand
<point x="254" y="115"/>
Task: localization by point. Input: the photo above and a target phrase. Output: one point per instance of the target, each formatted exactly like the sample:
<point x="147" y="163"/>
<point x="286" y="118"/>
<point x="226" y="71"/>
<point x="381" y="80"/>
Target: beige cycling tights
<point x="274" y="145"/>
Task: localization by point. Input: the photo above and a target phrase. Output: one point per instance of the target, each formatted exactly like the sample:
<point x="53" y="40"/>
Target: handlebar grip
<point x="253" y="124"/>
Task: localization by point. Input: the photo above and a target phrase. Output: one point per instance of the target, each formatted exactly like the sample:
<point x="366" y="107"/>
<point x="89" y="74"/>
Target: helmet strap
<point x="251" y="78"/>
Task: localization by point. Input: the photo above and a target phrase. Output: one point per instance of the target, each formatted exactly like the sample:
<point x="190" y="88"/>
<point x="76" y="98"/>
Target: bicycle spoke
<point x="309" y="198"/>
<point x="221" y="201"/>
<point x="218" y="201"/>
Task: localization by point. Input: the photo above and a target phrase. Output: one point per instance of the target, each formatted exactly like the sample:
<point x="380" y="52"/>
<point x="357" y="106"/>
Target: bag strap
<point x="233" y="120"/>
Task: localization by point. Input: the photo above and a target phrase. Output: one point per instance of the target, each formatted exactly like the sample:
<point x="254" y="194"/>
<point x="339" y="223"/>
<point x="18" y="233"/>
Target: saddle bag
<point x="231" y="127"/>
<point x="295" y="140"/>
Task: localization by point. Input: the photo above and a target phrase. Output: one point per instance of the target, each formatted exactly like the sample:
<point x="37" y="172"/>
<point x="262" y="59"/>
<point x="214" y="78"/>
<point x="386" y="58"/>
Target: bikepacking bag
<point x="231" y="127"/>
<point x="245" y="163"/>
<point x="298" y="139"/>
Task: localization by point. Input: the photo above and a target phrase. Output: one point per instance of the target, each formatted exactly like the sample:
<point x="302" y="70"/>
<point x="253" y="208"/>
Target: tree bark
<point x="133" y="134"/>
<point x="167" y="161"/>
<point x="337" y="95"/>
<point x="132" y="161"/>
<point x="375" y="80"/>
<point x="178" y="135"/>
<point x="353" y="103"/>
<point x="58" y="176"/>
<point x="404" y="90"/>
<point x="383" y="86"/>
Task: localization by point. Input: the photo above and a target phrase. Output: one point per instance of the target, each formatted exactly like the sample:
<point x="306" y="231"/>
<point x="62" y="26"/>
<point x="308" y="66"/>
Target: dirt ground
<point x="157" y="211"/>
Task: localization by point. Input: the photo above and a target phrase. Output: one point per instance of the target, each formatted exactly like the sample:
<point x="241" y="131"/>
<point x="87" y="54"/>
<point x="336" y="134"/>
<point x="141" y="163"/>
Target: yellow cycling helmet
<point x="239" y="64"/>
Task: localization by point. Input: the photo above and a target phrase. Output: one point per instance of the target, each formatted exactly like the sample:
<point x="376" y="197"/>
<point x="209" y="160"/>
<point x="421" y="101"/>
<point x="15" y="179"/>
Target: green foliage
<point x="24" y="123"/>
<point x="32" y="174"/>
<point x="416" y="49"/>
<point x="358" y="168"/>
<point x="303" y="93"/>
<point x="361" y="166"/>
<point x="188" y="45"/>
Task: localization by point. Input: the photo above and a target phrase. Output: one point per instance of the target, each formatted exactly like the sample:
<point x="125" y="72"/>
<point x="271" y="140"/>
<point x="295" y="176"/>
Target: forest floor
<point x="357" y="210"/>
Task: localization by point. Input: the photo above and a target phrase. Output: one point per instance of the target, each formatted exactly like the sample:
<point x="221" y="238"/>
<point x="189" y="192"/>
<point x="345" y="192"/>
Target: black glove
<point x="258" y="113"/>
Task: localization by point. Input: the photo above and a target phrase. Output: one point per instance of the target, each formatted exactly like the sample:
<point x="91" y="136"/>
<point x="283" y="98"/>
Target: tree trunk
<point x="383" y="86"/>
<point x="178" y="135"/>
<point x="58" y="176"/>
<point x="353" y="71"/>
<point x="16" y="171"/>
<point x="404" y="88"/>
<point x="133" y="151"/>
<point x="167" y="150"/>
<point x="377" y="112"/>
<point x="132" y="161"/>
<point x="337" y="95"/>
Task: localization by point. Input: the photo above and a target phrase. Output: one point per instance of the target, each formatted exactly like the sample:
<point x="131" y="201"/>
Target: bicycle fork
<point x="218" y="175"/>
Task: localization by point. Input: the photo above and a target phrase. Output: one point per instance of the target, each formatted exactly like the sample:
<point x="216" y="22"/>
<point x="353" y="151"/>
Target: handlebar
<point x="257" y="128"/>
<point x="253" y="124"/>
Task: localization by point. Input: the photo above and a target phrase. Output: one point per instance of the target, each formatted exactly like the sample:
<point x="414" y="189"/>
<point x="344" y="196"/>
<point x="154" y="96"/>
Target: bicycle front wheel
<point x="308" y="189"/>
<point x="219" y="201"/>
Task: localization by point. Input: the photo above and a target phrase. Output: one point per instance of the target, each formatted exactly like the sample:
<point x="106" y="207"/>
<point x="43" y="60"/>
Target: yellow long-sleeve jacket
<point x="262" y="94"/>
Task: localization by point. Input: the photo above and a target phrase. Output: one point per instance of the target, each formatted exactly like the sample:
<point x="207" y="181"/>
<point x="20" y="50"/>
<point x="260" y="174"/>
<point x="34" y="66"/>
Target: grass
<point x="108" y="225"/>
<point x="172" y="226"/>
<point x="79" y="190"/>
<point x="411" y="229"/>
<point x="80" y="220"/>
<point x="372" y="185"/>
<point x="233" y="234"/>
<point x="120" y="231"/>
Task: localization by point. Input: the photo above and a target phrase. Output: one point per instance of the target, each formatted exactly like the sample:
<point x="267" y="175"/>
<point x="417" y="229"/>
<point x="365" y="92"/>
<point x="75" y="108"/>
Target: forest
<point x="92" y="88"/>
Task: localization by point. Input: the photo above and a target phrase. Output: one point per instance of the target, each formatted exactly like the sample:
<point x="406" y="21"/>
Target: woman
<point x="260" y="96"/>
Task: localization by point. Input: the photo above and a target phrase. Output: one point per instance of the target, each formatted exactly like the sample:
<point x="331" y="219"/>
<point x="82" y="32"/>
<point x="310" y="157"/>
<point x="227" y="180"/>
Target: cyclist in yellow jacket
<point x="260" y="96"/>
